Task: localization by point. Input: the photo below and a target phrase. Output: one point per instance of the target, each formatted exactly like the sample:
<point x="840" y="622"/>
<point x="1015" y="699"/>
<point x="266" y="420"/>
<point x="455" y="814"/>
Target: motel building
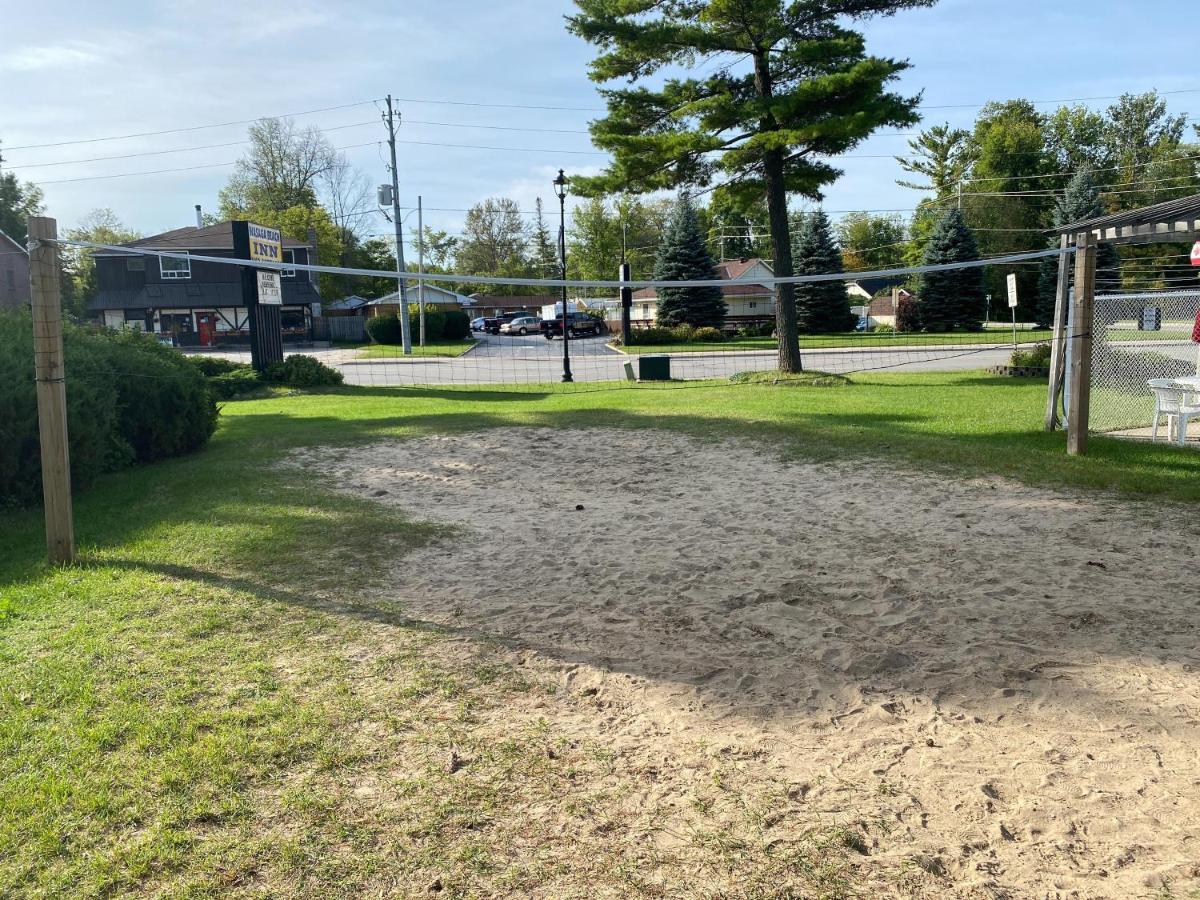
<point x="195" y="303"/>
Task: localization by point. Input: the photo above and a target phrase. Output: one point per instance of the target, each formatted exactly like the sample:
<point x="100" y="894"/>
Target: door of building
<point x="206" y="325"/>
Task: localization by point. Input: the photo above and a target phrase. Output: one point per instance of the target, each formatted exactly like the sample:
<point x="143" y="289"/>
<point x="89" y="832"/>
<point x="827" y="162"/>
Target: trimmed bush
<point x="708" y="335"/>
<point x="384" y="329"/>
<point x="303" y="371"/>
<point x="129" y="399"/>
<point x="211" y="366"/>
<point x="684" y="334"/>
<point x="457" y="325"/>
<point x="883" y="329"/>
<point x="653" y="335"/>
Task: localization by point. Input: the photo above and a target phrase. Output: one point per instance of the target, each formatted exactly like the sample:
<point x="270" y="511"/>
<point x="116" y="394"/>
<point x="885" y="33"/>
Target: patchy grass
<point x="431" y="348"/>
<point x="791" y="379"/>
<point x="217" y="701"/>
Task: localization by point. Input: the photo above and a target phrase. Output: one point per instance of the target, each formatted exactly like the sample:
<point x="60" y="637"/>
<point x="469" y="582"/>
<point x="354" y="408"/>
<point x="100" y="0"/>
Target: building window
<point x="289" y="256"/>
<point x="753" y="304"/>
<point x="170" y="267"/>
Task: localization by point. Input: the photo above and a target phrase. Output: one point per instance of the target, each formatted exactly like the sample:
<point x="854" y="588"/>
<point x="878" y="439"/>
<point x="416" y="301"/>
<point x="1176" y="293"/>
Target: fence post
<point x="1081" y="348"/>
<point x="1057" y="355"/>
<point x="51" y="389"/>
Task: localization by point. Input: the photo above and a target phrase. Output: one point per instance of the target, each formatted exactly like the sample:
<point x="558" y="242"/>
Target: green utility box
<point x="654" y="368"/>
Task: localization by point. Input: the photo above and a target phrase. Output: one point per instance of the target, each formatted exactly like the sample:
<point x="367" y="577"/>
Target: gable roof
<point x="393" y="297"/>
<point x="732" y="270"/>
<point x="15" y="243"/>
<point x="210" y="237"/>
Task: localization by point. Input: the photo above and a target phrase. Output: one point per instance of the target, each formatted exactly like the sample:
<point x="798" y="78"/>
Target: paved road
<point x="500" y="359"/>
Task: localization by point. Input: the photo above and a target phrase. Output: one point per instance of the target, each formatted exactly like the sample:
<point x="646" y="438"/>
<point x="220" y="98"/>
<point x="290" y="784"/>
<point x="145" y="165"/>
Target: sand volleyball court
<point x="998" y="684"/>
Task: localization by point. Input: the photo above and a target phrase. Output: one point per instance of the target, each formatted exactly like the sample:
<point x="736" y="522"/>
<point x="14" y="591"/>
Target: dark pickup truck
<point x="491" y="324"/>
<point x="577" y="323"/>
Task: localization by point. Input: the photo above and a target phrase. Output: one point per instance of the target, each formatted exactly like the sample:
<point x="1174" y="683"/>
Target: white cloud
<point x="69" y="54"/>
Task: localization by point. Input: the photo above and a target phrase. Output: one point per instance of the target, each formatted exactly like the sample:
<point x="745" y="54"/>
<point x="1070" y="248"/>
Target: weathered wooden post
<point x="51" y="387"/>
<point x="1062" y="298"/>
<point x="1081" y="347"/>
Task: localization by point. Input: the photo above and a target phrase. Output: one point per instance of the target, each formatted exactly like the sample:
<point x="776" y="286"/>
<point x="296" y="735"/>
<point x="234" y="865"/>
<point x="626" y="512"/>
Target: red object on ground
<point x="1196" y="254"/>
<point x="1196" y="329"/>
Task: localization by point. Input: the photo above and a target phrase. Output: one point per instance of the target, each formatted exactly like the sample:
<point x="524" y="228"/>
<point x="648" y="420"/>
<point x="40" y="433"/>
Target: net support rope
<point x="634" y="284"/>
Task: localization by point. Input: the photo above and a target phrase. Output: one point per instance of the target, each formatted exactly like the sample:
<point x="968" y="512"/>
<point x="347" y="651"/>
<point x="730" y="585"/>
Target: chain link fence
<point x="1136" y="337"/>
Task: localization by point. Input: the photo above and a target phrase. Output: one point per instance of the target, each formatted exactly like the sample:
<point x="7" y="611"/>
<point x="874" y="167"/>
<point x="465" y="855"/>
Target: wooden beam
<point x="1083" y="320"/>
<point x="51" y="384"/>
<point x="1058" y="342"/>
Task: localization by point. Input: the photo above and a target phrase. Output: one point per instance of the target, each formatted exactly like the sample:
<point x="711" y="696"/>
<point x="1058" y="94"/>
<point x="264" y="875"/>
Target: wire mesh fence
<point x="1138" y="337"/>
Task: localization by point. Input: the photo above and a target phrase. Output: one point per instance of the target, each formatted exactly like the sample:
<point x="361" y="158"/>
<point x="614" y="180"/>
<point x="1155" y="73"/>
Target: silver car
<point x="524" y="325"/>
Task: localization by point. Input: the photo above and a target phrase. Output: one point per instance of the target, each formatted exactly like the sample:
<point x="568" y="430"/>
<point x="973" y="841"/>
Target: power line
<point x="121" y="137"/>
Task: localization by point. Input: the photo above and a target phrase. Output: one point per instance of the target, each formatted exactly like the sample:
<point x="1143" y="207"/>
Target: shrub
<point x="384" y="329"/>
<point x="128" y="399"/>
<point x="908" y="315"/>
<point x="684" y="334"/>
<point x="457" y="326"/>
<point x="653" y="335"/>
<point x="883" y="329"/>
<point x="1036" y="357"/>
<point x="235" y="383"/>
<point x="708" y="335"/>
<point x="303" y="371"/>
<point x="765" y="329"/>
<point x="211" y="366"/>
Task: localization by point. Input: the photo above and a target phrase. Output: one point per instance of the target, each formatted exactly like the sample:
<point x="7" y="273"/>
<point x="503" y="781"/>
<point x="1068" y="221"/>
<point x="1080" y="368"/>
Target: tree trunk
<point x="781" y="245"/>
<point x="781" y="239"/>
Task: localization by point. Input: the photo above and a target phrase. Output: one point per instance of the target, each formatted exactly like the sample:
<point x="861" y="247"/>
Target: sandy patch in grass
<point x="1003" y="678"/>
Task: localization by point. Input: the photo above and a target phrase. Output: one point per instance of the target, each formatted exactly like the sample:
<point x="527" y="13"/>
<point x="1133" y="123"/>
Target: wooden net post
<point x="1081" y="346"/>
<point x="1059" y="341"/>
<point x="51" y="389"/>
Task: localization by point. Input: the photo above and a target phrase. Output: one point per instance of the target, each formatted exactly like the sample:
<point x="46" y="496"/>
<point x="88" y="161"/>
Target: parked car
<point x="577" y="323"/>
<point x="491" y="324"/>
<point x="522" y="325"/>
<point x="478" y="324"/>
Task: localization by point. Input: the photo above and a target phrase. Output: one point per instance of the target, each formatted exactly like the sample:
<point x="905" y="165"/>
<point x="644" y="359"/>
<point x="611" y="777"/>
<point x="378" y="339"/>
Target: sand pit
<point x="1007" y="677"/>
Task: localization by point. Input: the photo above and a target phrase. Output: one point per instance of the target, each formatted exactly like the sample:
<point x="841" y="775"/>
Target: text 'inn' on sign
<point x="266" y="244"/>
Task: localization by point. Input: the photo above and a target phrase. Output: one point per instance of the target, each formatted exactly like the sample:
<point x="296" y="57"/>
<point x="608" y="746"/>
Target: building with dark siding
<point x="14" y="274"/>
<point x="197" y="303"/>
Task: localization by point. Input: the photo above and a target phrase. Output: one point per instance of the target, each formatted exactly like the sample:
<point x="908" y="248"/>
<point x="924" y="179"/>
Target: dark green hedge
<point x="129" y="400"/>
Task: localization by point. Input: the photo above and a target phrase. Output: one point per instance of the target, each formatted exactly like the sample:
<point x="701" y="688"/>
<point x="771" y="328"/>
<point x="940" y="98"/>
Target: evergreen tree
<point x="1080" y="201"/>
<point x="543" y="251"/>
<point x="824" y="306"/>
<point x="684" y="256"/>
<point x="955" y="298"/>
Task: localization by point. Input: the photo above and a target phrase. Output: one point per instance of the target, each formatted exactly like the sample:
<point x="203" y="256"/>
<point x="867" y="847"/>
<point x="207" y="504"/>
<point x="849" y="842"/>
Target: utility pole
<point x="51" y="384"/>
<point x="402" y="288"/>
<point x="421" y="267"/>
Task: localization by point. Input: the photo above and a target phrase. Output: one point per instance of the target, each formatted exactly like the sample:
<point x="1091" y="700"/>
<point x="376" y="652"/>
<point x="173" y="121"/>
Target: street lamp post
<point x="560" y="190"/>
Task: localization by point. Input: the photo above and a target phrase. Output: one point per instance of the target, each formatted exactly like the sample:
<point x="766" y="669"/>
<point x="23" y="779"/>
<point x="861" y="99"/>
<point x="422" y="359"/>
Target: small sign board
<point x="1012" y="291"/>
<point x="266" y="244"/>
<point x="1196" y="254"/>
<point x="270" y="289"/>
<point x="1151" y="319"/>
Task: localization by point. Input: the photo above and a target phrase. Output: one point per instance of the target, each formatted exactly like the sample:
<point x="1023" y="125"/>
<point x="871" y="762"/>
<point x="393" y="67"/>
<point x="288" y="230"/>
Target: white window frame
<point x="289" y="256"/>
<point x="174" y="274"/>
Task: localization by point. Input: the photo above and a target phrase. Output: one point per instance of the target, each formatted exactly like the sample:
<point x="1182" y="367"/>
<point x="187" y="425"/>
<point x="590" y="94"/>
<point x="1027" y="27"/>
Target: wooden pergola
<point x="1173" y="222"/>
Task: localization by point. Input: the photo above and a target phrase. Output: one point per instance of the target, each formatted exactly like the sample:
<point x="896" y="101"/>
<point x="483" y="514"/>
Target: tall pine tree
<point x="954" y="298"/>
<point x="821" y="307"/>
<point x="684" y="256"/>
<point x="543" y="251"/>
<point x="1080" y="201"/>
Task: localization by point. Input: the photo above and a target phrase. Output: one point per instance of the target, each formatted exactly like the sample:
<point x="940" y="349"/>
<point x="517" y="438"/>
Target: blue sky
<point x="73" y="70"/>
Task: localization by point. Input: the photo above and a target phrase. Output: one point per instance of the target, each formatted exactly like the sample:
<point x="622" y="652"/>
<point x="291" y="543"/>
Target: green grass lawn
<point x="851" y="339"/>
<point x="216" y="701"/>
<point x="431" y="348"/>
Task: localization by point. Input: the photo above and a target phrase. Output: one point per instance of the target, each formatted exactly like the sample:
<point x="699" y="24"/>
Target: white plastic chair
<point x="1179" y="403"/>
